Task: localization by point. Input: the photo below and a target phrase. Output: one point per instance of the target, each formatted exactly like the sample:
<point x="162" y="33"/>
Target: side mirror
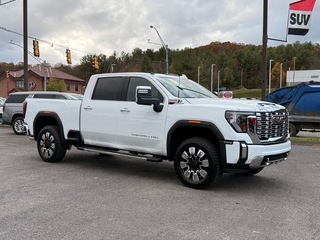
<point x="144" y="97"/>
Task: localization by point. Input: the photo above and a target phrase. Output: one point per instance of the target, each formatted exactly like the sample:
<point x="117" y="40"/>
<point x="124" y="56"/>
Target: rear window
<point x="109" y="88"/>
<point x="49" y="96"/>
<point x="17" y="98"/>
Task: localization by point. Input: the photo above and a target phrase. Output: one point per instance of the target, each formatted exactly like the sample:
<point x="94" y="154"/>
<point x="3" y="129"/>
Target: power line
<point x="44" y="41"/>
<point x="3" y="3"/>
<point x="38" y="59"/>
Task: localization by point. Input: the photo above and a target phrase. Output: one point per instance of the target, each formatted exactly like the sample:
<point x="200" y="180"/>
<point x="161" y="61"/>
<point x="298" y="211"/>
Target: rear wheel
<point x="18" y="126"/>
<point x="196" y="163"/>
<point x="51" y="145"/>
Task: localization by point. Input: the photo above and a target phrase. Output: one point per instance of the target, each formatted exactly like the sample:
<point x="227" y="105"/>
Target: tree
<point x="55" y="84"/>
<point x="275" y="75"/>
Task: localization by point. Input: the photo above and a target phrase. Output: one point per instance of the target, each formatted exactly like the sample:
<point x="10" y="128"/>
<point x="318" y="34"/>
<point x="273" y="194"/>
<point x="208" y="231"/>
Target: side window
<point x="109" y="88"/>
<point x="137" y="81"/>
<point x="40" y="95"/>
<point x="58" y="96"/>
<point x="17" y="98"/>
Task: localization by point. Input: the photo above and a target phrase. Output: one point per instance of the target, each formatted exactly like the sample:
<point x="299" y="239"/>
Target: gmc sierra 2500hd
<point x="162" y="117"/>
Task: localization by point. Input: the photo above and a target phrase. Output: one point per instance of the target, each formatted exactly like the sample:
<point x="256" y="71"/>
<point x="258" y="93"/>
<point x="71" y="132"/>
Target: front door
<point x="140" y="128"/>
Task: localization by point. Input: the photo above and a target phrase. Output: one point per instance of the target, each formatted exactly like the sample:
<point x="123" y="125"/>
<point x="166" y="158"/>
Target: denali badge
<point x="278" y="119"/>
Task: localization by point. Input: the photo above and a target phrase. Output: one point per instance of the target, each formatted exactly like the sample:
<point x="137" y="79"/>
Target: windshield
<point x="184" y="88"/>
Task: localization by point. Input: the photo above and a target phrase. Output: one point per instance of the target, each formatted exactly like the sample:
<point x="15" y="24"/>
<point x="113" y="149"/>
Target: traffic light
<point x="36" y="51"/>
<point x="95" y="62"/>
<point x="68" y="54"/>
<point x="7" y="74"/>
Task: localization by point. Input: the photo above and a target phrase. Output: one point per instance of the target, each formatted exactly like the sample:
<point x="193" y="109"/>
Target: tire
<point x="18" y="126"/>
<point x="51" y="146"/>
<point x="196" y="163"/>
<point x="293" y="130"/>
<point x="252" y="172"/>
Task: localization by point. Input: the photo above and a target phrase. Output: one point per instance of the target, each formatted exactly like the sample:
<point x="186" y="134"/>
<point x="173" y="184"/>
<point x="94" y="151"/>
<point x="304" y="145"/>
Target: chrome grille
<point x="271" y="125"/>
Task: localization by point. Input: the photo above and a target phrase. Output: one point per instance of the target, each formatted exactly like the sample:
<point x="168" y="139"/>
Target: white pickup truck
<point x="162" y="117"/>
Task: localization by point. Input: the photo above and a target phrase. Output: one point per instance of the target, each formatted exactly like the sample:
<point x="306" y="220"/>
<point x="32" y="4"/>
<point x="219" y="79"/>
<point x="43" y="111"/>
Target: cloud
<point x="89" y="27"/>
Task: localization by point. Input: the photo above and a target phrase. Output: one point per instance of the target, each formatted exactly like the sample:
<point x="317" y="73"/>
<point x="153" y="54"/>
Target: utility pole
<point x="264" y="49"/>
<point x="25" y="43"/>
<point x="45" y="76"/>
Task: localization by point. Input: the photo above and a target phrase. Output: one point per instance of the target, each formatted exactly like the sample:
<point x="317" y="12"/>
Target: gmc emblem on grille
<point x="278" y="119"/>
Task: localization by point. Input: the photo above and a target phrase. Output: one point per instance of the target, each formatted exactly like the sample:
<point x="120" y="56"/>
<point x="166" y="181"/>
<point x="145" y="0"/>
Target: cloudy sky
<point x="105" y="26"/>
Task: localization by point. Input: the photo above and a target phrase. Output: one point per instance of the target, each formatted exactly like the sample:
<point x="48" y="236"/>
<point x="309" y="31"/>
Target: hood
<point x="236" y="104"/>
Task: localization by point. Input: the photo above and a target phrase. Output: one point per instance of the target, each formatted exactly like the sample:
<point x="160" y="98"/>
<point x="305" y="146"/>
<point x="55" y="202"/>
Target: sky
<point x="108" y="26"/>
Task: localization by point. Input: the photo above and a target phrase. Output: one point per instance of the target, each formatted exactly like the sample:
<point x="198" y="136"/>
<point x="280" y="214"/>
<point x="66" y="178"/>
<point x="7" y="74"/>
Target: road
<point x="88" y="196"/>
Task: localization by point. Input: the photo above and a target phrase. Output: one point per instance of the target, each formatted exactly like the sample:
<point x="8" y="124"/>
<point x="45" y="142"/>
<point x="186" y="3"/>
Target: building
<point x="36" y="76"/>
<point x="296" y="77"/>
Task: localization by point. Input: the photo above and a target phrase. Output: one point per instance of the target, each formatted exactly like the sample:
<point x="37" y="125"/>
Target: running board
<point x="121" y="153"/>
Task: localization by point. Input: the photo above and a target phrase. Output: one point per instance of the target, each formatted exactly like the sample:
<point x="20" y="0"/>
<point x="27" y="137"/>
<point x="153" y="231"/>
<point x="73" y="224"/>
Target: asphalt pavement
<point x="89" y="196"/>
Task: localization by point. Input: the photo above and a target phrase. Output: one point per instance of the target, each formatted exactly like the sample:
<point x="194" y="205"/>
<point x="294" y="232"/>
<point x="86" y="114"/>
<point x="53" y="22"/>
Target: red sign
<point x="300" y="17"/>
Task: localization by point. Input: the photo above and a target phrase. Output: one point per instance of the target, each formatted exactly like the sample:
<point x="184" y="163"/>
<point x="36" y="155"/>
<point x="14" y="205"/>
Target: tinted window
<point x="50" y="96"/>
<point x="17" y="98"/>
<point x="109" y="88"/>
<point x="137" y="81"/>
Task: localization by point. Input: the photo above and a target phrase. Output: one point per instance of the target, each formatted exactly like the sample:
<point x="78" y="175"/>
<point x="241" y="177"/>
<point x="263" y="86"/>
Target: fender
<point x="45" y="118"/>
<point x="212" y="130"/>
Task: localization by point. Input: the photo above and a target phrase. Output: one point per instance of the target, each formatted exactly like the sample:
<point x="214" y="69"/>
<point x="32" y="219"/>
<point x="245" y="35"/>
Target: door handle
<point x="88" y="108"/>
<point x="125" y="110"/>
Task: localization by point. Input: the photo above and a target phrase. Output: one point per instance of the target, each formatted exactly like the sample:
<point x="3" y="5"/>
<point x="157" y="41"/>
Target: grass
<point x="247" y="93"/>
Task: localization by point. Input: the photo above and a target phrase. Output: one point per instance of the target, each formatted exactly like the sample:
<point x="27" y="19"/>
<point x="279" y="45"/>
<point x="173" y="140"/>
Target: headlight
<point x="242" y="122"/>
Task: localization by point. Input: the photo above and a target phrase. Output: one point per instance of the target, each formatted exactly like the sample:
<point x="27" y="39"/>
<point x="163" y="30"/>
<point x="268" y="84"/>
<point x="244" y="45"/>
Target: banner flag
<point x="300" y="17"/>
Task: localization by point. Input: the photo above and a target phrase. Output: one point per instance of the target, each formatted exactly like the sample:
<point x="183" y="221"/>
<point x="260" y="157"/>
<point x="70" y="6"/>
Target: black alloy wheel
<point x="197" y="163"/>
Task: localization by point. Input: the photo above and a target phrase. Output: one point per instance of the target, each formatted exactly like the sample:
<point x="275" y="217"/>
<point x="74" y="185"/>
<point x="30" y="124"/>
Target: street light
<point x="281" y="75"/>
<point x="165" y="47"/>
<point x="294" y="69"/>
<point x="112" y="65"/>
<point x="218" y="81"/>
<point x="270" y="61"/>
<point x="212" y="76"/>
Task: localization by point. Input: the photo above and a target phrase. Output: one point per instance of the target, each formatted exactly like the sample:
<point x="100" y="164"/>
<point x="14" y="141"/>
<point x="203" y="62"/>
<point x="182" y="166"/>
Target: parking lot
<point x="88" y="196"/>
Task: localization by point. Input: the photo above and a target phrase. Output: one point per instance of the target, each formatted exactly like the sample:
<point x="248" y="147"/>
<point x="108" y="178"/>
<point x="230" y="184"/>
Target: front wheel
<point x="51" y="145"/>
<point x="197" y="163"/>
<point x="18" y="126"/>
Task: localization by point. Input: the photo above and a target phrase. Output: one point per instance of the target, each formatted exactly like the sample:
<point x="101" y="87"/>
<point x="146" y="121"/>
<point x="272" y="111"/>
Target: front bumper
<point x="241" y="155"/>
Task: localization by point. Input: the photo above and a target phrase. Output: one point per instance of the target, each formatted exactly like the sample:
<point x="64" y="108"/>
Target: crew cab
<point x="159" y="117"/>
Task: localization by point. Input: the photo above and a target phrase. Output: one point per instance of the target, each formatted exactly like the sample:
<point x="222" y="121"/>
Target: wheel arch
<point x="14" y="116"/>
<point x="184" y="129"/>
<point x="43" y="119"/>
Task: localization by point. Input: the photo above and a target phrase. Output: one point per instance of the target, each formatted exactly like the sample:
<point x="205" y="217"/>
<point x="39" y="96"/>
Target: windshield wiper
<point x="195" y="91"/>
